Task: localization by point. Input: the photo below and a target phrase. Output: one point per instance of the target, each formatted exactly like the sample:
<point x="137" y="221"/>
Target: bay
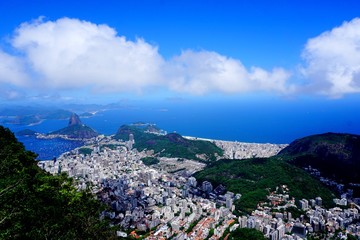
<point x="270" y="121"/>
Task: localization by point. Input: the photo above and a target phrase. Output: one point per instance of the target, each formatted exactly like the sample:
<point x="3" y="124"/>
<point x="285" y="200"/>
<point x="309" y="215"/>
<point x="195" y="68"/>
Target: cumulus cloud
<point x="12" y="70"/>
<point x="203" y="71"/>
<point x="333" y="60"/>
<point x="69" y="53"/>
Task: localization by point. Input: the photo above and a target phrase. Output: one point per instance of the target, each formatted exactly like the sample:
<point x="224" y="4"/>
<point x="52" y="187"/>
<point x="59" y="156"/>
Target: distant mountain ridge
<point x="31" y="115"/>
<point x="76" y="129"/>
<point x="336" y="155"/>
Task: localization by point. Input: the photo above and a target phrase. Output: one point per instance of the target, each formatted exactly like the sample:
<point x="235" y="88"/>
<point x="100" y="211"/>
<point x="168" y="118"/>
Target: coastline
<point x="219" y="140"/>
<point x="243" y="150"/>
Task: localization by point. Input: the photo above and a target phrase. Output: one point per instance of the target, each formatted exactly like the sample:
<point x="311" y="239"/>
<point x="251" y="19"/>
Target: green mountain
<point x="76" y="129"/>
<point x="336" y="155"/>
<point x="252" y="178"/>
<point x="37" y="205"/>
<point x="26" y="132"/>
<point x="169" y="145"/>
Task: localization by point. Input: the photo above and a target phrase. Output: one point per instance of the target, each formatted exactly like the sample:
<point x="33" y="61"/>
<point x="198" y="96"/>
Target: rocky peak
<point x="74" y="120"/>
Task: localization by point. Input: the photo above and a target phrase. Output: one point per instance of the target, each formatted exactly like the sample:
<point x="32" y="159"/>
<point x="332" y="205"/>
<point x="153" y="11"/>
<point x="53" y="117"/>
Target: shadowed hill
<point x="336" y="155"/>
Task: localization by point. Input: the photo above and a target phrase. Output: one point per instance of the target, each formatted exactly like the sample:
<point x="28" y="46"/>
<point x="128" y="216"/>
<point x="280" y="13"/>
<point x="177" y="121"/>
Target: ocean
<point x="271" y="121"/>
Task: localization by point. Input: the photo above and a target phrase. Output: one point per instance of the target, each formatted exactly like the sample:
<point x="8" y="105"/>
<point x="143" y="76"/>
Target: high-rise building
<point x="207" y="186"/>
<point x="299" y="229"/>
<point x="318" y="201"/>
<point x="229" y="202"/>
<point x="192" y="181"/>
<point x="281" y="231"/>
<point x="131" y="141"/>
<point x="304" y="204"/>
<point x="274" y="235"/>
<point x="131" y="138"/>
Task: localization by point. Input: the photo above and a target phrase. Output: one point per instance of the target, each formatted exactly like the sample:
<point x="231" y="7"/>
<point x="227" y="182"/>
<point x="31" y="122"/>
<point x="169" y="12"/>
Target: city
<point x="163" y="203"/>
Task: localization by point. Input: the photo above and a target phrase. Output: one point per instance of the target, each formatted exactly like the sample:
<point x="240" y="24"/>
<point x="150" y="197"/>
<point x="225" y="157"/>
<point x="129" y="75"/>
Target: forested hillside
<point x="37" y="205"/>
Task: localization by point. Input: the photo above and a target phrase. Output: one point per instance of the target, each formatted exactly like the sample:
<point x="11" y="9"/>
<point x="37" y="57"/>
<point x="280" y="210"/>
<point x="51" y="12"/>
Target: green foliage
<point x="335" y="155"/>
<point x="26" y="132"/>
<point x="170" y="145"/>
<point x="77" y="131"/>
<point x="110" y="146"/>
<point x="295" y="212"/>
<point x="85" y="151"/>
<point x="251" y="178"/>
<point x="192" y="225"/>
<point x="37" y="205"/>
<point x="211" y="233"/>
<point x="148" y="161"/>
<point x="351" y="237"/>
<point x="246" y="233"/>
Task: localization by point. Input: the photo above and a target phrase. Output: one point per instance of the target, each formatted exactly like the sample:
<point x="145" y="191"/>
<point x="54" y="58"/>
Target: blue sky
<point x="104" y="51"/>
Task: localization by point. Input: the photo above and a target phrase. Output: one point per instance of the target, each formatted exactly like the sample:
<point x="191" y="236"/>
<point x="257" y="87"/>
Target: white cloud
<point x="202" y="72"/>
<point x="70" y="54"/>
<point x="11" y="70"/>
<point x="333" y="60"/>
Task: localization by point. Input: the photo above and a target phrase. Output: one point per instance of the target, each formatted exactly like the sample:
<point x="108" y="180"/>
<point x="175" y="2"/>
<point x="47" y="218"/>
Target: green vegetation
<point x="77" y="131"/>
<point x="170" y="145"/>
<point x="148" y="161"/>
<point x="246" y="233"/>
<point x="86" y="114"/>
<point x="37" y="205"/>
<point x="335" y="155"/>
<point x="26" y="132"/>
<point x="252" y="178"/>
<point x="192" y="225"/>
<point x="211" y="233"/>
<point x="111" y="146"/>
<point x="295" y="212"/>
<point x="85" y="151"/>
<point x="351" y="237"/>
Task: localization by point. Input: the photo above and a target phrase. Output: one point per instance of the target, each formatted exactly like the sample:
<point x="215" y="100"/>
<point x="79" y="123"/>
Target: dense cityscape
<point x="168" y="203"/>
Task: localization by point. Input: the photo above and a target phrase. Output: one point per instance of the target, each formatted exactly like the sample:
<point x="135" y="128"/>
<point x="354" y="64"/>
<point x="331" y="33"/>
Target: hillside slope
<point x="37" y="205"/>
<point x="170" y="145"/>
<point x="336" y="155"/>
<point x="251" y="178"/>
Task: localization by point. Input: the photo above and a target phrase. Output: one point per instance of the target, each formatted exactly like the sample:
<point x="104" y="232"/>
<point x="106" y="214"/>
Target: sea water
<point x="256" y="121"/>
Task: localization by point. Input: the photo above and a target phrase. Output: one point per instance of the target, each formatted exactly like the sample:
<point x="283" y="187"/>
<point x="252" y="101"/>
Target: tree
<point x="37" y="205"/>
<point x="247" y="233"/>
